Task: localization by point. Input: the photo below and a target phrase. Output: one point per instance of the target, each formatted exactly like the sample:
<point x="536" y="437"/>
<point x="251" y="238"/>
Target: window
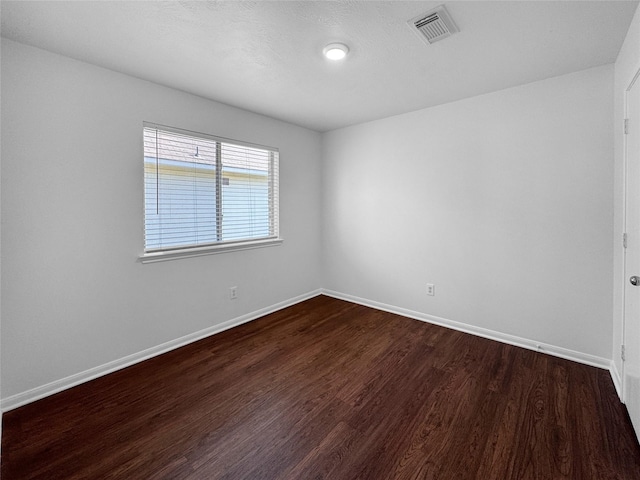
<point x="204" y="194"/>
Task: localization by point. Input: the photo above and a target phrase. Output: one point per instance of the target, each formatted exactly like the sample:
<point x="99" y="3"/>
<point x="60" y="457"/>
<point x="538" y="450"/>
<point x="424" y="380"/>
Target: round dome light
<point x="335" y="51"/>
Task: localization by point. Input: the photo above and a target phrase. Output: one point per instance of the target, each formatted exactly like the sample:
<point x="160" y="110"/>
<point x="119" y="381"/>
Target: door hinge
<point x="624" y="240"/>
<point x="626" y="126"/>
<point x="622" y="353"/>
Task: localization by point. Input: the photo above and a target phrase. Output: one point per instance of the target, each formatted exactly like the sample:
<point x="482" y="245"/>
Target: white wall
<point x="503" y="201"/>
<point x="0" y="267"/>
<point x="74" y="295"/>
<point x="626" y="66"/>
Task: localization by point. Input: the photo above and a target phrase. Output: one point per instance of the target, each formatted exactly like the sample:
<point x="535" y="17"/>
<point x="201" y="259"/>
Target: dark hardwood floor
<point x="329" y="389"/>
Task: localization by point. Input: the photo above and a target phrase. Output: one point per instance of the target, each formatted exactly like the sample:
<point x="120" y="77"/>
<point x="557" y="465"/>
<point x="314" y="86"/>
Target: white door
<point x="631" y="340"/>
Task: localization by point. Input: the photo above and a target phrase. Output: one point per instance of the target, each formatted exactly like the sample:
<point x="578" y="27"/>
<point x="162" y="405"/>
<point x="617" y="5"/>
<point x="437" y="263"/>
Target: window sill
<point x="162" y="256"/>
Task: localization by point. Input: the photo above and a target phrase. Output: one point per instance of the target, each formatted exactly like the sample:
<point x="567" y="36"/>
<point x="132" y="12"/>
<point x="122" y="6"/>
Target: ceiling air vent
<point x="434" y="25"/>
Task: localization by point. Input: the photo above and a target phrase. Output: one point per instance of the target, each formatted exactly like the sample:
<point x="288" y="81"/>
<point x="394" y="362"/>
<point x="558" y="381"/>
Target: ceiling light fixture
<point x="335" y="51"/>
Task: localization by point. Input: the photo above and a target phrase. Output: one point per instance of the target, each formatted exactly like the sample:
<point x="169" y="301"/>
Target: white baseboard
<point x="556" y="351"/>
<point x="51" y="388"/>
<point x="617" y="380"/>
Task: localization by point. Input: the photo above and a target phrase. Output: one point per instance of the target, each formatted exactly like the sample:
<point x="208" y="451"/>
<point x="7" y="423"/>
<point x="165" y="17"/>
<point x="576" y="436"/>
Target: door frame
<point x="625" y="165"/>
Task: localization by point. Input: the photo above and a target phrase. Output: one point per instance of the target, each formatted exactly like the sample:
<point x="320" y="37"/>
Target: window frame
<point x="176" y="252"/>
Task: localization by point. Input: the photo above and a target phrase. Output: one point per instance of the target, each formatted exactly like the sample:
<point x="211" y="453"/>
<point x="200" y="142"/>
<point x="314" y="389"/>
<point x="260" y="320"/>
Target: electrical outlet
<point x="431" y="289"/>
<point x="233" y="293"/>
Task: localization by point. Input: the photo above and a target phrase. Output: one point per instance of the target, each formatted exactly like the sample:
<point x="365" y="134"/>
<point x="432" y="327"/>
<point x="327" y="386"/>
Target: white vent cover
<point x="434" y="25"/>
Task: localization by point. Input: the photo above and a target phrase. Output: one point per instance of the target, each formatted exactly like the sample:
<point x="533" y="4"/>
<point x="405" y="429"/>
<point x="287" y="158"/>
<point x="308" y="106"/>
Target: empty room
<point x="320" y="239"/>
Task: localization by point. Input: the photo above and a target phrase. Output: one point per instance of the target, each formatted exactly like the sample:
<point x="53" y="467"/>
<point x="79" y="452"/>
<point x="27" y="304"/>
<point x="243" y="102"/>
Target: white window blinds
<point x="201" y="190"/>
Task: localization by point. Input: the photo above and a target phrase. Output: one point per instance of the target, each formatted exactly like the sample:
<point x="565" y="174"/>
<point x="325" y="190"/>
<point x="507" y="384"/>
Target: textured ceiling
<point x="267" y="56"/>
